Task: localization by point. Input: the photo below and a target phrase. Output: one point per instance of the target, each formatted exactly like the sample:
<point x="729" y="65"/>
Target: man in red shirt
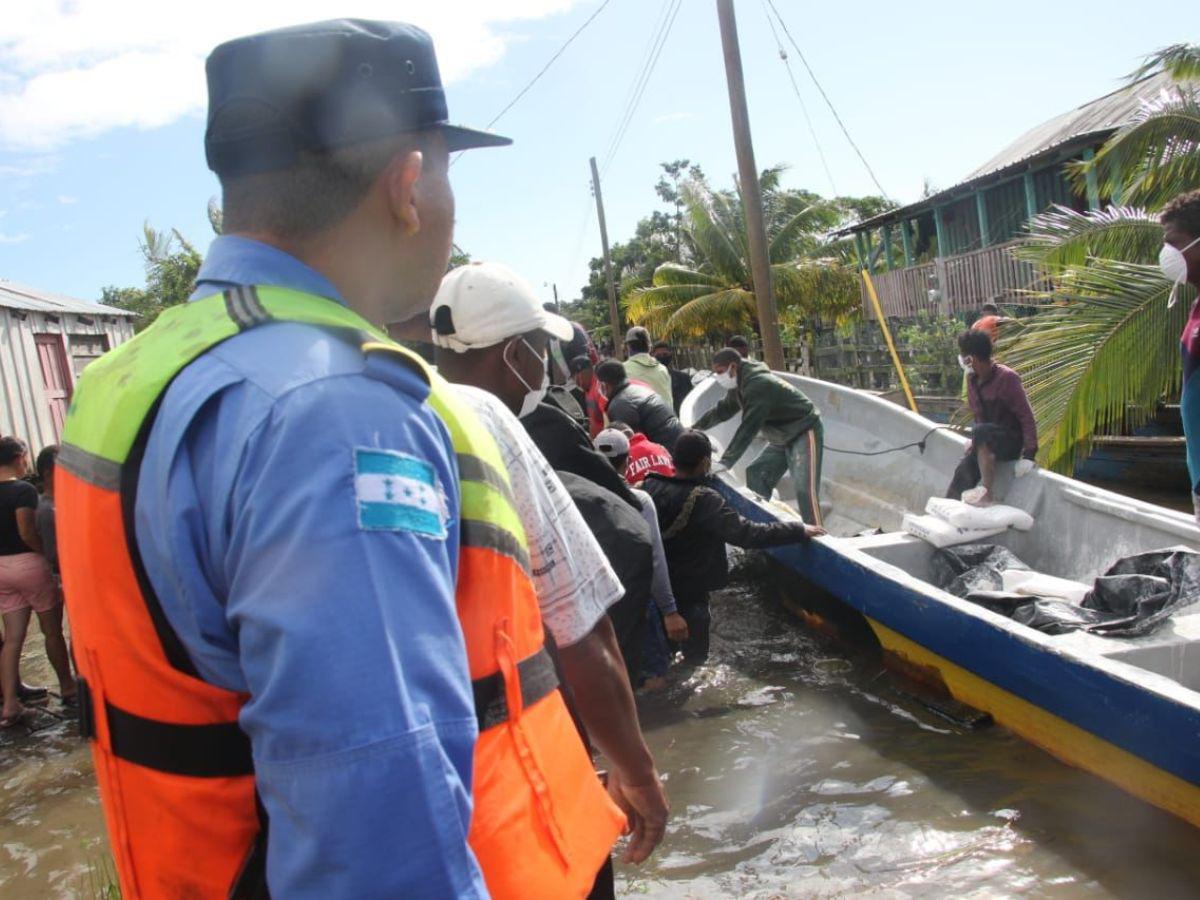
<point x="589" y="395"/>
<point x="645" y="456"/>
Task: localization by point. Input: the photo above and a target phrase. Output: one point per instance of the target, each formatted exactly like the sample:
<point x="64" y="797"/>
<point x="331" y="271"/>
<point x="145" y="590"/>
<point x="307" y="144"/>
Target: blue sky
<point x="101" y="110"/>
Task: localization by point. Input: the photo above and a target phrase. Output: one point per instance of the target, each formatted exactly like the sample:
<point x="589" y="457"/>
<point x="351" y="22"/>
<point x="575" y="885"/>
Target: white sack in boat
<point x="963" y="515"/>
<point x="941" y="533"/>
<point x="1035" y="584"/>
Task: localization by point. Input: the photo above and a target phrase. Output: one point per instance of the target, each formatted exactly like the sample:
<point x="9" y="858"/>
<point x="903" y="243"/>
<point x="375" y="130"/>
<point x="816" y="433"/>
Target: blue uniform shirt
<point x="271" y="531"/>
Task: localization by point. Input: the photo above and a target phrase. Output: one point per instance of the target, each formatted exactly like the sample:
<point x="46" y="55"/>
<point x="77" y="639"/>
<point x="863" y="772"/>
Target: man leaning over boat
<point x="787" y="420"/>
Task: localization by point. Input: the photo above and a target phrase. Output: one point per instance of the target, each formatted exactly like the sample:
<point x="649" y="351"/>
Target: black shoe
<point x="25" y="693"/>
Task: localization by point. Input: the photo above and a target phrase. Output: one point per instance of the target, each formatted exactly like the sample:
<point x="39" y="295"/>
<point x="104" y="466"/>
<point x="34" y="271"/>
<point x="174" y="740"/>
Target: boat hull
<point x="1129" y="724"/>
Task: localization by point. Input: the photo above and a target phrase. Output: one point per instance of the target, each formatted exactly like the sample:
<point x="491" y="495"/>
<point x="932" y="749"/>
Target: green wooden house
<point x="950" y="252"/>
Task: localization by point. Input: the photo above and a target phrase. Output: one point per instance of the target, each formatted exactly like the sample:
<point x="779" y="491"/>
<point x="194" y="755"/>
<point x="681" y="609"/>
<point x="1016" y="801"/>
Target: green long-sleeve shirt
<point x="769" y="405"/>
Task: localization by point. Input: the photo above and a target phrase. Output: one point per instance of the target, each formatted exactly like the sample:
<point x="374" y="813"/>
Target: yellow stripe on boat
<point x="1056" y="736"/>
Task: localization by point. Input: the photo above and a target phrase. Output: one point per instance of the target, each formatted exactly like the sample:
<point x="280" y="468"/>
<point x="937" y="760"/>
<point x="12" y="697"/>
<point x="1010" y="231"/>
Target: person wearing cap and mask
<point x="663" y="614"/>
<point x="642" y="368"/>
<point x="696" y="524"/>
<point x="785" y="418"/>
<point x="1179" y="260"/>
<point x="285" y="691"/>
<point x="575" y="583"/>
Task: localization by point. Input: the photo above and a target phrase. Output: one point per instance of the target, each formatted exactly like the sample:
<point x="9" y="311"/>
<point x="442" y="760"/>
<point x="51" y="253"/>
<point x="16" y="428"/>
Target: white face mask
<point x="533" y="395"/>
<point x="966" y="365"/>
<point x="726" y="379"/>
<point x="1174" y="266"/>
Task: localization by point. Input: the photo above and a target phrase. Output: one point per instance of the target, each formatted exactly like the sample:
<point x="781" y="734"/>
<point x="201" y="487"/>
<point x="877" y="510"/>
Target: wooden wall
<point x="24" y="409"/>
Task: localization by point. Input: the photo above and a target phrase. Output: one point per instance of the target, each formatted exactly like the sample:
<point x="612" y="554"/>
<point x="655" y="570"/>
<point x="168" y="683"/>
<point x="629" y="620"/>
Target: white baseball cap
<point x="483" y="303"/>
<point x="612" y="443"/>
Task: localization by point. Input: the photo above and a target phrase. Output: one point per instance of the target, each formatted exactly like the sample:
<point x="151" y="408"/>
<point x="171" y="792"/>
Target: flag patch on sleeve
<point x="398" y="492"/>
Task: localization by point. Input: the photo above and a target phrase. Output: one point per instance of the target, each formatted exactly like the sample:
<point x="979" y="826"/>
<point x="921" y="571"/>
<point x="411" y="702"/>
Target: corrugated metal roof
<point x="19" y="296"/>
<point x="1093" y="121"/>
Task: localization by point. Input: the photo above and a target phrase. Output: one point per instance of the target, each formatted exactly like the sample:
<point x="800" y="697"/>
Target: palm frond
<point x="1180" y="61"/>
<point x="1062" y="237"/>
<point x="674" y="273"/>
<point x="710" y="233"/>
<point x="1101" y="353"/>
<point x="785" y="243"/>
<point x="653" y="306"/>
<point x="726" y="310"/>
<point x="1155" y="157"/>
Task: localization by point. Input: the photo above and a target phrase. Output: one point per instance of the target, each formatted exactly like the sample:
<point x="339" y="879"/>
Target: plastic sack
<point x="963" y="515"/>
<point x="941" y="533"/>
<point x="1035" y="584"/>
<point x="971" y="568"/>
<point x="1140" y="592"/>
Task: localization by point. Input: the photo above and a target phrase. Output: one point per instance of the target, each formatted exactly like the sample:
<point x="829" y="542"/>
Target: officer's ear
<point x="402" y="176"/>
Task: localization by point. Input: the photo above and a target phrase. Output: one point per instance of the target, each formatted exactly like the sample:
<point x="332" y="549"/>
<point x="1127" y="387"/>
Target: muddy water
<point x="794" y="770"/>
<point x="51" y="828"/>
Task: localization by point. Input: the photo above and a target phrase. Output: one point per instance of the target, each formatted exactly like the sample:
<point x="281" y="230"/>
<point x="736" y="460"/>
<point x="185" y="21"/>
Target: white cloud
<point x="75" y="70"/>
<point x="673" y="117"/>
<point x="13" y="238"/>
<point x="67" y="199"/>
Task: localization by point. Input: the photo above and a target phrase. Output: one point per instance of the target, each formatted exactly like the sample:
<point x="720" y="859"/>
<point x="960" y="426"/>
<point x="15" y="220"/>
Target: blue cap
<point x="322" y="86"/>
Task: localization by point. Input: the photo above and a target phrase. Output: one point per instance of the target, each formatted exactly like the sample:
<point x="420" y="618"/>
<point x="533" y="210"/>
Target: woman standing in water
<point x="26" y="583"/>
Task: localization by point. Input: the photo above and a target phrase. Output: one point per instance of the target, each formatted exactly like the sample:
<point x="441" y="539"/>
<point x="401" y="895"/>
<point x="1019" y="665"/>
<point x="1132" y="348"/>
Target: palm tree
<point x="1104" y="347"/>
<point x="713" y="290"/>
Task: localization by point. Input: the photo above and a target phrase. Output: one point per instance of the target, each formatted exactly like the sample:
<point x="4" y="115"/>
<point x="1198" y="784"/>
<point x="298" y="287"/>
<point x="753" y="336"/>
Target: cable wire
<point x="536" y="78"/>
<point x="920" y="444"/>
<point x="825" y="96"/>
<point x="803" y="106"/>
<point x="640" y="85"/>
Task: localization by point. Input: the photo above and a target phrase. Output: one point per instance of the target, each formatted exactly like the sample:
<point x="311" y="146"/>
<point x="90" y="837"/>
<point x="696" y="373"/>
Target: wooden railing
<point x="966" y="282"/>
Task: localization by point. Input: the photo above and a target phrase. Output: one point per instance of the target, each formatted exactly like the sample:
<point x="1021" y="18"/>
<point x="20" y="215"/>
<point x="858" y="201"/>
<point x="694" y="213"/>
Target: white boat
<point x="1126" y="709"/>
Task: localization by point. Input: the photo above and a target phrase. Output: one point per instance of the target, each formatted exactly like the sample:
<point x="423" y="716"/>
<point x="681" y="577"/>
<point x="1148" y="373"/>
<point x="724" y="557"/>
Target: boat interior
<point x="868" y="485"/>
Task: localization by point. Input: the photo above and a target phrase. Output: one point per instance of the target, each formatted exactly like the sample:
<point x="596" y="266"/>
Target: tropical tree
<point x="171" y="265"/>
<point x="713" y="291"/>
<point x="1103" y="349"/>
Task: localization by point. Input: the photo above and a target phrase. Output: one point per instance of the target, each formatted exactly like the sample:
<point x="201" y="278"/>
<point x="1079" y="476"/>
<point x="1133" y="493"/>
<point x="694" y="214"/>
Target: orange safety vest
<point x="175" y="771"/>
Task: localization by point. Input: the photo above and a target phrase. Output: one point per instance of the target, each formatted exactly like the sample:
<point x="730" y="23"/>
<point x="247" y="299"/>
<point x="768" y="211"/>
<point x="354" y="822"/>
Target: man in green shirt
<point x="787" y="421"/>
<point x="642" y="368"/>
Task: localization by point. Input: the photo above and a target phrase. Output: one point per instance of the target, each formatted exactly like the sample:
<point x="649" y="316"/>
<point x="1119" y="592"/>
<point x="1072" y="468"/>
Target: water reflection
<point x="796" y="771"/>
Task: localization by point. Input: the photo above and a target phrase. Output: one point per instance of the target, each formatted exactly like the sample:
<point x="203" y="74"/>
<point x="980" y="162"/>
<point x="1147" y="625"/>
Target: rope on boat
<point x="920" y="444"/>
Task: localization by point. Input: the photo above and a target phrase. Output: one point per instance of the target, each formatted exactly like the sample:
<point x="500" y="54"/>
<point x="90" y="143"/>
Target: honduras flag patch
<point x="398" y="492"/>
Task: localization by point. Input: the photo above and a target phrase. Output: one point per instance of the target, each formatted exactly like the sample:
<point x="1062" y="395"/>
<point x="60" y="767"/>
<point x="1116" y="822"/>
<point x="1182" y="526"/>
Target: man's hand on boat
<point x="717" y="468"/>
<point x="812" y="531"/>
<point x="647" y="809"/>
<point x="1024" y="467"/>
<point x="677" y="629"/>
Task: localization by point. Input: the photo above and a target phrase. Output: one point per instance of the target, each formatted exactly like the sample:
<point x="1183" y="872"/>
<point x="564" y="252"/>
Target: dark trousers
<point x="1004" y="443"/>
<point x="693" y="606"/>
<point x="604" y="888"/>
<point x="656" y="655"/>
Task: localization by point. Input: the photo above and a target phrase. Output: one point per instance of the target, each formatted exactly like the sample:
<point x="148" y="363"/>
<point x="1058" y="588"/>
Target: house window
<point x="85" y="348"/>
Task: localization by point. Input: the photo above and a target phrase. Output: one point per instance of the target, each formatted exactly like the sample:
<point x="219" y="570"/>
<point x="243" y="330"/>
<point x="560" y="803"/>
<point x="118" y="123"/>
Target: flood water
<point x="795" y="769"/>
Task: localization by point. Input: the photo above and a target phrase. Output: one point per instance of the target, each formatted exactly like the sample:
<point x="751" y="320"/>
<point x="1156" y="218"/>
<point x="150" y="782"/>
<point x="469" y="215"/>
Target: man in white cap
<point x="491" y="335"/>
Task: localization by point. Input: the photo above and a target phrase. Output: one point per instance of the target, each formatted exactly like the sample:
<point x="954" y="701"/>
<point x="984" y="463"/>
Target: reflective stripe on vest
<point x="542" y="823"/>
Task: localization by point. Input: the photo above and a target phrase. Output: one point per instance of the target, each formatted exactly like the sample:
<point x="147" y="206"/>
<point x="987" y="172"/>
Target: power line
<point x="641" y="83"/>
<point x="536" y="78"/>
<point x="825" y="96"/>
<point x="803" y="106"/>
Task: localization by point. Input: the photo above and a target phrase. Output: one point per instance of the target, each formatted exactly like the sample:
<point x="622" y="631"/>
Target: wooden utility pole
<point x="614" y="314"/>
<point x="760" y="266"/>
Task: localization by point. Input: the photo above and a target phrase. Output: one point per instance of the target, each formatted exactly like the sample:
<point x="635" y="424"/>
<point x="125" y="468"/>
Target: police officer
<point x="262" y="520"/>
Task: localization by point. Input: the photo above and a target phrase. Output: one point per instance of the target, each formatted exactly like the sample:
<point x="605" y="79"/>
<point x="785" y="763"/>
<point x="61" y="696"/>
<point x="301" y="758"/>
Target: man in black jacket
<point x="681" y="382"/>
<point x="638" y="406"/>
<point x="696" y="525"/>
